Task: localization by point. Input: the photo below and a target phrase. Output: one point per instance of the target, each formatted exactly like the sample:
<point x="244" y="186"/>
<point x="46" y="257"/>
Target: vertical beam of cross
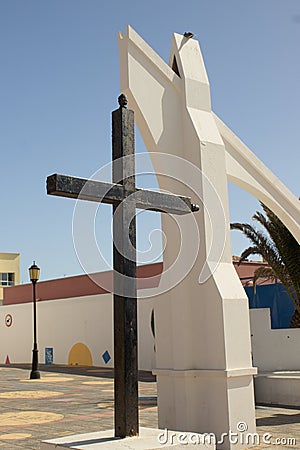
<point x="124" y="261"/>
<point x="125" y="198"/>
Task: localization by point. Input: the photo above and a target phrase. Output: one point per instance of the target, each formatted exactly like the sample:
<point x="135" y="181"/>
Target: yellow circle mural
<point x="80" y="355"/>
<point x="15" y="436"/>
<point x="108" y="404"/>
<point x="47" y="380"/>
<point x="30" y="394"/>
<point x="28" y="418"/>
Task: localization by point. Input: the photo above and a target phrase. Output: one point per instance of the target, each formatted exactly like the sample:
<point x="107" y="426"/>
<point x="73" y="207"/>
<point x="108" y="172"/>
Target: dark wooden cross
<point x="125" y="198"/>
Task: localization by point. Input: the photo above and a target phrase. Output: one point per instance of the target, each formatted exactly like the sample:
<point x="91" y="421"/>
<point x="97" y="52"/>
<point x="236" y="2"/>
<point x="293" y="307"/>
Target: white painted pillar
<point x="204" y="369"/>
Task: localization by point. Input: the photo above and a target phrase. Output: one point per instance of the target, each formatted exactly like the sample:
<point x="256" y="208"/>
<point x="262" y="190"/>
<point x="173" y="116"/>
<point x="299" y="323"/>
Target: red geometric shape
<point x="7" y="361"/>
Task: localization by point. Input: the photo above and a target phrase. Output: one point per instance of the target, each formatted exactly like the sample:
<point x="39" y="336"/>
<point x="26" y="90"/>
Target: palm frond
<point x="246" y="253"/>
<point x="278" y="247"/>
<point x="263" y="272"/>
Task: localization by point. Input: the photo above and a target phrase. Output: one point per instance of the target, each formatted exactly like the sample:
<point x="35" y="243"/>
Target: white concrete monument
<point x="203" y="351"/>
<point x="204" y="369"/>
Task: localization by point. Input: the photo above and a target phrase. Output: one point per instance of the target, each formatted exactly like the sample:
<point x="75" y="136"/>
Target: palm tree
<point x="279" y="249"/>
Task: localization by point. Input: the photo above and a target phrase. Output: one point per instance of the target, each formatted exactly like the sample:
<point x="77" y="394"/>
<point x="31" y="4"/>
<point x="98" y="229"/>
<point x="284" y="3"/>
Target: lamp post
<point x="34" y="273"/>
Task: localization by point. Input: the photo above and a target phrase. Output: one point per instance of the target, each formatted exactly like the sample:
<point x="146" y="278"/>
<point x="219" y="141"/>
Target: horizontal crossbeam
<point x="113" y="193"/>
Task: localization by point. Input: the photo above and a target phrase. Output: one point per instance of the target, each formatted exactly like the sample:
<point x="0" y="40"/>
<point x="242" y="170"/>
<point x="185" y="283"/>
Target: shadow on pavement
<point x="92" y="371"/>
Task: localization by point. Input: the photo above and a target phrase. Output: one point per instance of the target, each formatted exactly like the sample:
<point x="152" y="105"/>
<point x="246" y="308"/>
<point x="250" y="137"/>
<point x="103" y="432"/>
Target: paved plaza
<point x="72" y="400"/>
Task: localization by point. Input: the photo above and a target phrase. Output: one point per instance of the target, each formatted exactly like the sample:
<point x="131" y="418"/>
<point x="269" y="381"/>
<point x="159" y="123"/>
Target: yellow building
<point x="9" y="271"/>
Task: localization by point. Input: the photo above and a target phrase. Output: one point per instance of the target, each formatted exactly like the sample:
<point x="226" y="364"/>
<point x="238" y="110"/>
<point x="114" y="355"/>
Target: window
<point x="7" y="279"/>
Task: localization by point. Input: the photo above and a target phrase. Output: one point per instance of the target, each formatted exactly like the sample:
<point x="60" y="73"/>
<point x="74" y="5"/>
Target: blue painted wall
<point x="275" y="297"/>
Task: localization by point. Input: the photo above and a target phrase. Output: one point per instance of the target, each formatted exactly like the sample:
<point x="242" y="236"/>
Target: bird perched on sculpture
<point x="189" y="34"/>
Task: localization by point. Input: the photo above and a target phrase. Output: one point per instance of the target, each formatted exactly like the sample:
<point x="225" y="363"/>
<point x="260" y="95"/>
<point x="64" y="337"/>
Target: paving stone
<point x="84" y="404"/>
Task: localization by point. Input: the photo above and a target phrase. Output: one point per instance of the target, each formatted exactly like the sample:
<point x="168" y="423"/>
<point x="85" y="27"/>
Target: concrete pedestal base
<point x="197" y="394"/>
<point x="149" y="439"/>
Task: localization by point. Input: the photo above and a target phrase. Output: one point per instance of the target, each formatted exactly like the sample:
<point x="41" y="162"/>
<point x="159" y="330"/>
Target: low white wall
<point x="276" y="349"/>
<point x="63" y="323"/>
<point x="278" y="388"/>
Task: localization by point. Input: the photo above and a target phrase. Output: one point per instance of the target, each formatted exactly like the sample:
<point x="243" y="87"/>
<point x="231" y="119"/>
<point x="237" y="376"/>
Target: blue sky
<point x="59" y="80"/>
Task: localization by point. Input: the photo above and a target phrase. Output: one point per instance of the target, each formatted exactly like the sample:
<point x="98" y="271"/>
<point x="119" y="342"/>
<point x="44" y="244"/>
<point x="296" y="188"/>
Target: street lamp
<point x="34" y="273"/>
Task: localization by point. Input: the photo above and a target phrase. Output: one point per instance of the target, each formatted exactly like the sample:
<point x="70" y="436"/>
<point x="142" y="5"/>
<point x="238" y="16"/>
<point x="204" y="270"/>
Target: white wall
<point x="273" y="350"/>
<point x="63" y="323"/>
